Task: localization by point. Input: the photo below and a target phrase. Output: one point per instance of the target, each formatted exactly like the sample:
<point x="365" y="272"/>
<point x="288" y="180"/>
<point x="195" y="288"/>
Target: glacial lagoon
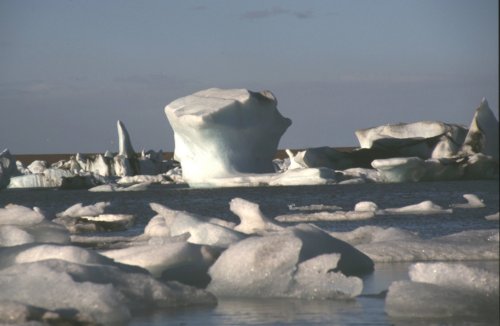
<point x="368" y="308"/>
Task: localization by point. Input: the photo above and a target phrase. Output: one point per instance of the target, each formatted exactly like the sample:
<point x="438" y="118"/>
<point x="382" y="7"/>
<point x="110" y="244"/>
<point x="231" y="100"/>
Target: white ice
<point x="448" y="135"/>
<point x="483" y="133"/>
<point x="219" y="133"/>
<point x="78" y="210"/>
<point x="252" y="219"/>
<point x="493" y="217"/>
<point x="467" y="245"/>
<point x="301" y="262"/>
<point x="404" y="169"/>
<point x="365" y="210"/>
<point x="473" y="201"/>
<point x="170" y="222"/>
<point x="445" y="290"/>
<point x="100" y="293"/>
<point x="114" y="187"/>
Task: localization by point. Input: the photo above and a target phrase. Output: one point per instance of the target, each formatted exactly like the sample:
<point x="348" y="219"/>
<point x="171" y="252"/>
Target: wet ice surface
<point x="367" y="308"/>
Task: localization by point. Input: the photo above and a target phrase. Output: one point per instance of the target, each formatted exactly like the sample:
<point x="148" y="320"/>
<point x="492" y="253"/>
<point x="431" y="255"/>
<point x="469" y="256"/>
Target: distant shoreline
<point x="53" y="158"/>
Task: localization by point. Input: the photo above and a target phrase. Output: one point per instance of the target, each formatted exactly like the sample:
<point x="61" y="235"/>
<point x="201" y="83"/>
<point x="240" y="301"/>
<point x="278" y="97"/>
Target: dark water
<point x="275" y="200"/>
<point x="368" y="309"/>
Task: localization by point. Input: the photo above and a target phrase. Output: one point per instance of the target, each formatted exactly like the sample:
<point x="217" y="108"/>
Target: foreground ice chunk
<point x="300" y="261"/>
<point x="444" y="290"/>
<point x="219" y="133"/>
<point x="168" y="259"/>
<point x="93" y="294"/>
<point x="20" y="215"/>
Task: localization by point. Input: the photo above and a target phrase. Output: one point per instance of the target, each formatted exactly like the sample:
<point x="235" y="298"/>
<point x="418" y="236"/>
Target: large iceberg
<point x="221" y="133"/>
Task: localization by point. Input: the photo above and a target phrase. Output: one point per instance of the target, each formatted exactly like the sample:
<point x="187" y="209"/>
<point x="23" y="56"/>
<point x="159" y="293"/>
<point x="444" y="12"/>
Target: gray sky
<point x="70" y="69"/>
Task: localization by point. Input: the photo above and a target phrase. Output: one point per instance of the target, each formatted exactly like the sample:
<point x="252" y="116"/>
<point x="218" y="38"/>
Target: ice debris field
<point x="55" y="269"/>
<point x="229" y="137"/>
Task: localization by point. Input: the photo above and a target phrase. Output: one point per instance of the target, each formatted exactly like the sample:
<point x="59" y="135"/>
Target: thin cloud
<point x="275" y="11"/>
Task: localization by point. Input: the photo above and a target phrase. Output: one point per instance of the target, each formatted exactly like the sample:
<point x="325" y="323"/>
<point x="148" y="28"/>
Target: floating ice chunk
<point x="317" y="157"/>
<point x="483" y="132"/>
<point x="443" y="290"/>
<point x="170" y="260"/>
<point x="48" y="178"/>
<point x="326" y="216"/>
<point x="251" y="217"/>
<point x="493" y="217"/>
<point x="219" y="133"/>
<point x="13" y="236"/>
<point x="29" y="253"/>
<point x="424" y="138"/>
<point x="20" y="215"/>
<point x="284" y="264"/>
<point x="305" y="176"/>
<point x="366" y="206"/>
<point x="480" y="166"/>
<point x="40" y="286"/>
<point x="374" y="234"/>
<point x="473" y="201"/>
<point x="401" y="169"/>
<point x="314" y="207"/>
<point x="127" y="180"/>
<point x="100" y="294"/>
<point x="315" y="279"/>
<point x="201" y="232"/>
<point x="102" y="222"/>
<point x="114" y="187"/>
<point x="78" y="210"/>
<point x="366" y="175"/>
<point x="425" y="207"/>
<point x="467" y="245"/>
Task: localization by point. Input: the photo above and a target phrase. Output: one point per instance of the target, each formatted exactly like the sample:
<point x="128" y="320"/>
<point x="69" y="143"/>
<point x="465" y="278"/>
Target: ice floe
<point x="252" y="219"/>
<point x="473" y="201"/>
<point x="171" y="222"/>
<point x="94" y="294"/>
<point x="300" y="261"/>
<point x="445" y="290"/>
<point x="467" y="245"/>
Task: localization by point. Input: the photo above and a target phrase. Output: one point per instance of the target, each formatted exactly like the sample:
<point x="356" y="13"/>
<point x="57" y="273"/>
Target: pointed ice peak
<point x="484" y="102"/>
<point x="124" y="144"/>
<point x="108" y="154"/>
